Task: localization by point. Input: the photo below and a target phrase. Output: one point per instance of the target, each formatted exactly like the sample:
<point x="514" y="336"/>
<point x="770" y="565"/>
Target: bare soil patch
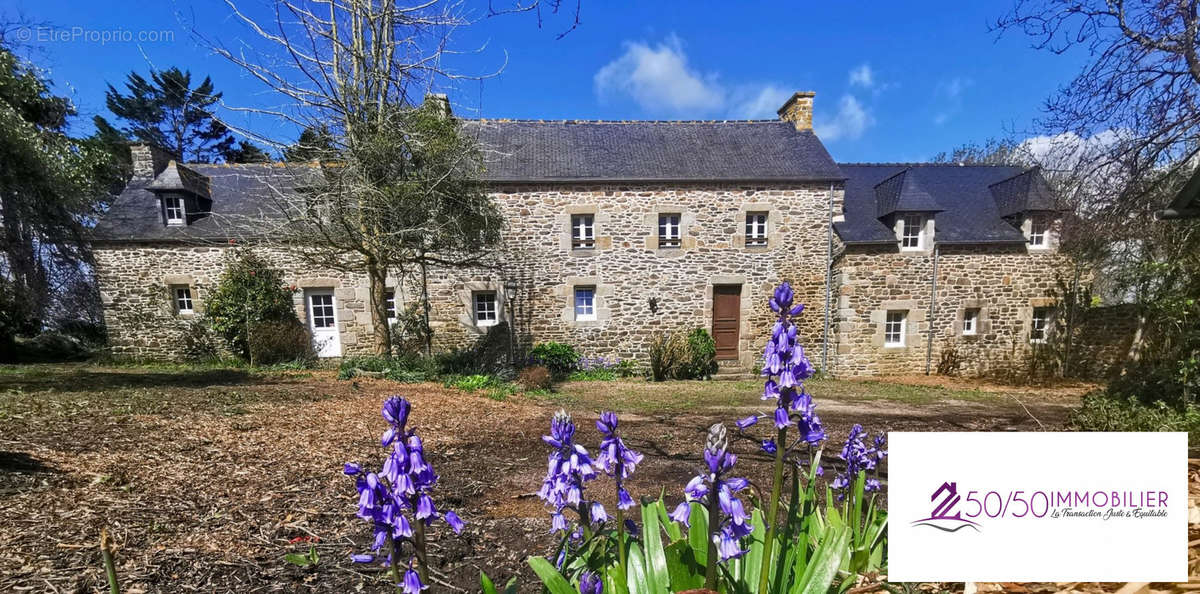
<point x="207" y="478"/>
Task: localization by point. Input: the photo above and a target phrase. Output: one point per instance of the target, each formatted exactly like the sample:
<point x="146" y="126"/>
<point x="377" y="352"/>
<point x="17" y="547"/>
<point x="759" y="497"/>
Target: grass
<point x="680" y="396"/>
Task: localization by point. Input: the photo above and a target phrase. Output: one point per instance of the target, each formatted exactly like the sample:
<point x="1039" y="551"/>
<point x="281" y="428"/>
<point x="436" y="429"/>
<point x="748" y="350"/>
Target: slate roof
<point x="1186" y="204"/>
<point x="179" y="178"/>
<point x="240" y="194"/>
<point x="968" y="207"/>
<point x="602" y="151"/>
<point x="903" y="192"/>
<point x="1027" y="192"/>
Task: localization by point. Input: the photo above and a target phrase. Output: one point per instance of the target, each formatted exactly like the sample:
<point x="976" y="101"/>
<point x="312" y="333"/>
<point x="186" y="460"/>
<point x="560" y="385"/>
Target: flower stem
<point x="397" y="581"/>
<point x="772" y="518"/>
<point x="621" y="541"/>
<point x="714" y="524"/>
<point x="422" y="563"/>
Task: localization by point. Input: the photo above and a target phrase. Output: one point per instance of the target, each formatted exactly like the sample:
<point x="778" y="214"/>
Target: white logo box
<point x="1037" y="507"/>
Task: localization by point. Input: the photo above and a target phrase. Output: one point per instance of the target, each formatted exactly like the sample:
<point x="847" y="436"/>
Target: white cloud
<point x="954" y="87"/>
<point x="659" y="79"/>
<point x="950" y="94"/>
<point x="762" y="104"/>
<point x="1066" y="151"/>
<point x="862" y="76"/>
<point x="850" y="121"/>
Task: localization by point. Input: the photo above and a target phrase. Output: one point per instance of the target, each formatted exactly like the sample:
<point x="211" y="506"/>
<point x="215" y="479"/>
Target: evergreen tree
<point x="167" y="111"/>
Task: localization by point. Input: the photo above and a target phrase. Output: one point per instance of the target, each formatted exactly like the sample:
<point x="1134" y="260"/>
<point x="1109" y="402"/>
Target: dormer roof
<point x="1025" y="192"/>
<point x="903" y="192"/>
<point x="179" y="178"/>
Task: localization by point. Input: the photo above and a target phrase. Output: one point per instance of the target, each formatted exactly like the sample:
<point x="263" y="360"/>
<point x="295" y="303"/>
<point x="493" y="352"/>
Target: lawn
<point x="207" y="477"/>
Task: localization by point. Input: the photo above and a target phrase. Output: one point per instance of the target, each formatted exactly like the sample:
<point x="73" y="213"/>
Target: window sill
<point x="479" y="324"/>
<point x="895" y="346"/>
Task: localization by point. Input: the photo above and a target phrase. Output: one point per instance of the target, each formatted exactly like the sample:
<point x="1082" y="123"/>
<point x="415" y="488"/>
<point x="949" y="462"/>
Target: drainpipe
<point x="828" y="284"/>
<point x="932" y="307"/>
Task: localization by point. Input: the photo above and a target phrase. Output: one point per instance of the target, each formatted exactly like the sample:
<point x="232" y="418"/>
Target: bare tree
<point x="402" y="190"/>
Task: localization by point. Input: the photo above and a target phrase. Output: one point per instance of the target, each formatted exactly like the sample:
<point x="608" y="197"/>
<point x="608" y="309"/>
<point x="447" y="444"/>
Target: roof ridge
<point x="586" y="121"/>
<point x="919" y="164"/>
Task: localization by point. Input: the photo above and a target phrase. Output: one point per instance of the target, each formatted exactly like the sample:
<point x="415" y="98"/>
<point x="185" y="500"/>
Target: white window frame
<point x="970" y="322"/>
<point x="669" y="233"/>
<point x="1039" y="232"/>
<point x="182" y="297"/>
<point x="389" y="305"/>
<point x="485" y="311"/>
<point x="1039" y="324"/>
<point x="911" y="221"/>
<point x="174" y="210"/>
<point x="583" y="231"/>
<point x="328" y="310"/>
<point x="757" y="228"/>
<point x="584" y="312"/>
<point x="899" y="319"/>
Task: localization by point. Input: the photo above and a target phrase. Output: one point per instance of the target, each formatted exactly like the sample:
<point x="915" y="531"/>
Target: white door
<point x="322" y="320"/>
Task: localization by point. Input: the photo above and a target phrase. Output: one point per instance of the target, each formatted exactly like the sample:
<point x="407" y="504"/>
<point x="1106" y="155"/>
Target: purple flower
<point x="568" y="467"/>
<point x="732" y="524"/>
<point x="412" y="583"/>
<point x="785" y="367"/>
<point x="747" y="422"/>
<point x="617" y="460"/>
<point x="400" y="493"/>
<point x="858" y="458"/>
<point x="768" y="446"/>
<point x="590" y="583"/>
<point x="682" y="513"/>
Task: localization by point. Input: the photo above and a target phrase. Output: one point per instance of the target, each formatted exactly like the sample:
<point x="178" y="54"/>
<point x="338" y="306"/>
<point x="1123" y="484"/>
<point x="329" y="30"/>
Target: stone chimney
<point x="148" y="160"/>
<point x="439" y="101"/>
<point x="798" y="110"/>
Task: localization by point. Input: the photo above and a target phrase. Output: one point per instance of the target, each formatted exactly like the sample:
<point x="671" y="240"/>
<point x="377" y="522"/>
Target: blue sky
<point x="895" y="81"/>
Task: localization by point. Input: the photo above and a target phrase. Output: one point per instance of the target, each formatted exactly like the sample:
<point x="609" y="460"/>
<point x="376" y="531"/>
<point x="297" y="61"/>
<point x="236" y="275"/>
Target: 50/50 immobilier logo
<point x="1037" y="507"/>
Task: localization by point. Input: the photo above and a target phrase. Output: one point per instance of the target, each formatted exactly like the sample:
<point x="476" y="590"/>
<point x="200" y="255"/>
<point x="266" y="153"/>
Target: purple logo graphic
<point x="945" y="515"/>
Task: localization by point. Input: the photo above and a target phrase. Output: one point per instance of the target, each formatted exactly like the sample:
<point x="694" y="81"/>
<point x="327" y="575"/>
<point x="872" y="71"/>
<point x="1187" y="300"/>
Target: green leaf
<point x="511" y="586"/>
<point x="698" y="533"/>
<point x="824" y="566"/>
<point x="554" y="582"/>
<point x="486" y="584"/>
<point x="298" y="559"/>
<point x="656" y="560"/>
<point x="685" y="573"/>
<point x="615" y="580"/>
<point x="752" y="560"/>
<point x="637" y="580"/>
<point x="668" y="524"/>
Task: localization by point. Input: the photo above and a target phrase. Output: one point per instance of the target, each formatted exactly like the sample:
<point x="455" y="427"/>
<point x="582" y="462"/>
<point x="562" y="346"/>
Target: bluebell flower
<point x="747" y="422"/>
<point x="785" y="367"/>
<point x="858" y="458"/>
<point x="401" y="489"/>
<point x="412" y="583"/>
<point x="590" y="583"/>
<point x="568" y="467"/>
<point x="616" y="458"/>
<point x="732" y="523"/>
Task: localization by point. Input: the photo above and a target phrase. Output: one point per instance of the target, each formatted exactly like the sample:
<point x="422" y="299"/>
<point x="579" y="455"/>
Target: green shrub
<point x="677" y="355"/>
<point x="1102" y="411"/>
<point x="409" y="369"/>
<point x="496" y="388"/>
<point x="248" y="293"/>
<point x="593" y="375"/>
<point x="280" y="342"/>
<point x="559" y="358"/>
<point x="702" y="355"/>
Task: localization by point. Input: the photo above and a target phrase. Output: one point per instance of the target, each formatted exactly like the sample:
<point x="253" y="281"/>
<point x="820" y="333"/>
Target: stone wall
<point x="1004" y="283"/>
<point x="641" y="289"/>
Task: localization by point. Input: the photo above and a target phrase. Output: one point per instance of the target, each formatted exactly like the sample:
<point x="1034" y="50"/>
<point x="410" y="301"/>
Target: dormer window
<point x="1039" y="229"/>
<point x="173" y="210"/>
<point x="912" y="232"/>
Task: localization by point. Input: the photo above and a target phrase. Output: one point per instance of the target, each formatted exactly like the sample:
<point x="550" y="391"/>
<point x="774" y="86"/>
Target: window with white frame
<point x="970" y="322"/>
<point x="893" y="328"/>
<point x="756" y="229"/>
<point x="183" y="300"/>
<point x="173" y="209"/>
<point x="912" y="232"/>
<point x="321" y="310"/>
<point x="583" y="231"/>
<point x="389" y="304"/>
<point x="668" y="230"/>
<point x="585" y="303"/>
<point x="485" y="308"/>
<point x="1038" y="229"/>
<point x="1039" y="325"/>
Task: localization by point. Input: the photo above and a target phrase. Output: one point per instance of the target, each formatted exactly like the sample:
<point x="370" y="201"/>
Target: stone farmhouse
<point x="622" y="230"/>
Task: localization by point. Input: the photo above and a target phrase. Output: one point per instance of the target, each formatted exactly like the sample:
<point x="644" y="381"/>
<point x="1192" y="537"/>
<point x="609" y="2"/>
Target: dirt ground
<point x="207" y="478"/>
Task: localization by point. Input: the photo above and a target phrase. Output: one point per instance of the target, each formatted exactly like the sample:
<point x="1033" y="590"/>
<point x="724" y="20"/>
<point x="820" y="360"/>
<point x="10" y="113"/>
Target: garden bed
<point x="207" y="478"/>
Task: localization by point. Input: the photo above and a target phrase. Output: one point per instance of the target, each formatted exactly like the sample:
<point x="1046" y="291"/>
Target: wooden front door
<point x="727" y="317"/>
